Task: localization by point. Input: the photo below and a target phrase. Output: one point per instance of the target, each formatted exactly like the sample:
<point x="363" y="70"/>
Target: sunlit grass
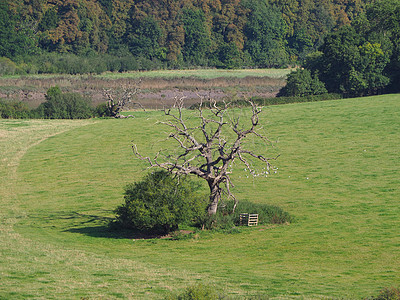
<point x="201" y="73"/>
<point x="196" y="73"/>
<point x="338" y="175"/>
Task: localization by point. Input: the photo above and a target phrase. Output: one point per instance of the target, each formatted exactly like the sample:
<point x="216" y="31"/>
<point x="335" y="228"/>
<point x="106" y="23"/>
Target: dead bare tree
<point x="206" y="150"/>
<point x="125" y="99"/>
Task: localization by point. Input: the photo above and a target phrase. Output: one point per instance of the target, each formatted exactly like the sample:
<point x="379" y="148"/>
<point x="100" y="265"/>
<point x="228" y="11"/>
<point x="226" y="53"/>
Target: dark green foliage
<point x="49" y="20"/>
<point x="352" y="65"/>
<point x="16" y="36"/>
<point x="197" y="39"/>
<point x="159" y="203"/>
<point x="228" y="56"/>
<point x="13" y="110"/>
<point x="122" y="63"/>
<point x="197" y="292"/>
<point x="7" y="32"/>
<point x="388" y="294"/>
<point x="7" y="67"/>
<point x="383" y="23"/>
<point x="107" y="5"/>
<point x="74" y="64"/>
<point x="265" y="30"/>
<point x="347" y="63"/>
<point x="267" y="214"/>
<point x="104" y="110"/>
<point x="300" y="44"/>
<point x="313" y="61"/>
<point x="340" y="53"/>
<point x="226" y="220"/>
<point x="182" y="33"/>
<point x="356" y="60"/>
<point x="60" y="105"/>
<point x="142" y="37"/>
<point x="361" y="56"/>
<point x="302" y="83"/>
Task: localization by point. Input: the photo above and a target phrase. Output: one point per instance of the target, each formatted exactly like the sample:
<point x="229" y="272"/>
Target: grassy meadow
<point x="338" y="175"/>
<point x="196" y="73"/>
<point x="201" y="73"/>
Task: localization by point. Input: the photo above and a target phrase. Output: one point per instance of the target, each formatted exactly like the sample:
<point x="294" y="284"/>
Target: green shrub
<point x="197" y="292"/>
<point x="103" y="110"/>
<point x="225" y="220"/>
<point x="7" y="67"/>
<point x="267" y="214"/>
<point x="159" y="203"/>
<point x="302" y="83"/>
<point x="74" y="64"/>
<point x="124" y="63"/>
<point x="388" y="294"/>
<point x="13" y="110"/>
<point x="60" y="105"/>
<point x="220" y="221"/>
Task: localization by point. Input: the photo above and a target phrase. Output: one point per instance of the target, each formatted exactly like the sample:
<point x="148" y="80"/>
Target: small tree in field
<point x="209" y="149"/>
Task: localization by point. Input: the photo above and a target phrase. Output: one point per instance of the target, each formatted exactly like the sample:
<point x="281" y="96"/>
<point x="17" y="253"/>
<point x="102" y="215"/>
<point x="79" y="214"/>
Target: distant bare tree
<point x="206" y="150"/>
<point x="124" y="100"/>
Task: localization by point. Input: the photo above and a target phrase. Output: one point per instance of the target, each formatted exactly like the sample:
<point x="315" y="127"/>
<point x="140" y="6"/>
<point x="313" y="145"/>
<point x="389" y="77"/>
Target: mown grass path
<point x="34" y="268"/>
<point x="338" y="174"/>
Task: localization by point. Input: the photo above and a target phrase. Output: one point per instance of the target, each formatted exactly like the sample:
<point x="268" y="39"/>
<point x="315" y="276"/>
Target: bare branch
<point x="204" y="151"/>
<point x="124" y="99"/>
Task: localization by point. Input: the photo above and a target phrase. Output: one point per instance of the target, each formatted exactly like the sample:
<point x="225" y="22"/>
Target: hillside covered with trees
<point x="47" y="36"/>
<point x="357" y="60"/>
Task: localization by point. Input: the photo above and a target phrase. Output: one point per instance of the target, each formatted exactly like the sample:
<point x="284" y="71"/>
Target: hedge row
<point x="58" y="105"/>
<point x="51" y="63"/>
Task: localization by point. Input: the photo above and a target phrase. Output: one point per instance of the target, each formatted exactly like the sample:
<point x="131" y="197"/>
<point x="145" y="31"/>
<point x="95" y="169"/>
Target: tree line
<point x="357" y="60"/>
<point x="70" y="35"/>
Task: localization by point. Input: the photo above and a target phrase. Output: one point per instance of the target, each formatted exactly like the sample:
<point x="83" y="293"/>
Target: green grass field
<point x="338" y="175"/>
<point x="201" y="73"/>
<point x="196" y="73"/>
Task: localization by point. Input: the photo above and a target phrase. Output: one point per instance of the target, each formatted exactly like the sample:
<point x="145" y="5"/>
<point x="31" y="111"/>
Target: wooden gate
<point x="248" y="219"/>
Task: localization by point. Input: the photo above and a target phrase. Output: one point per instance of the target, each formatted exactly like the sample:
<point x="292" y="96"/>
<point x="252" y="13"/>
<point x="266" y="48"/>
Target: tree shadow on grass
<point x="101" y="231"/>
<point x="100" y="228"/>
<point x="75" y="222"/>
<point x="104" y="231"/>
<point x="92" y="225"/>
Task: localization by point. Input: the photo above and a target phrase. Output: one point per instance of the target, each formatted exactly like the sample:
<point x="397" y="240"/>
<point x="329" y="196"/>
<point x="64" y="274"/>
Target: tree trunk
<point x="215" y="196"/>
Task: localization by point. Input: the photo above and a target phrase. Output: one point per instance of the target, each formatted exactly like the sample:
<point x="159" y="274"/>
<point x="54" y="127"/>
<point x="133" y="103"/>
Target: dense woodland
<point x="352" y="46"/>
<point x="173" y="33"/>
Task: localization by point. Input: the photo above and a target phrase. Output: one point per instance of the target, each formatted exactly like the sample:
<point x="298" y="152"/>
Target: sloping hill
<point x="338" y="174"/>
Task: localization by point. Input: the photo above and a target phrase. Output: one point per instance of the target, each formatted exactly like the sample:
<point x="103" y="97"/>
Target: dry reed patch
<point x="150" y="90"/>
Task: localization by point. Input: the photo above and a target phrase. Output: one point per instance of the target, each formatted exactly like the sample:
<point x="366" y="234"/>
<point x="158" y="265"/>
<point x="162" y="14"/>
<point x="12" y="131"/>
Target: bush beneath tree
<point x="225" y="219"/>
<point x="160" y="203"/>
